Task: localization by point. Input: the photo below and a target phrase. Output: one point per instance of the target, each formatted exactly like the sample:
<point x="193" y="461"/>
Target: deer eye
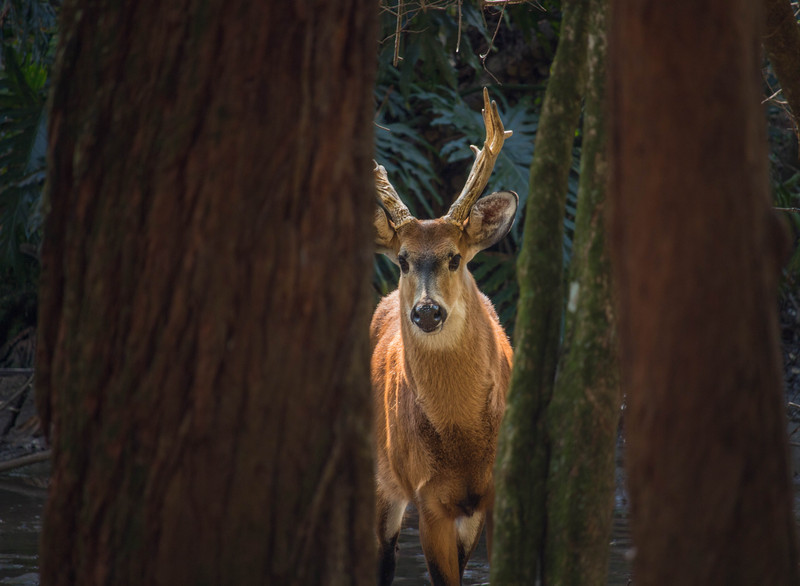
<point x="455" y="261"/>
<point x="403" y="263"/>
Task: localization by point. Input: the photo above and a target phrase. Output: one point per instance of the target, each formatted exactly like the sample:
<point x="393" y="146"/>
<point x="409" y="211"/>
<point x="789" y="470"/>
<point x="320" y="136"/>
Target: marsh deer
<point x="440" y="369"/>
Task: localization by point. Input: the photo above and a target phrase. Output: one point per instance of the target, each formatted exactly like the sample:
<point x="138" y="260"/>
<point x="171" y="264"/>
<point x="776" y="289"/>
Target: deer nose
<point x="428" y="316"/>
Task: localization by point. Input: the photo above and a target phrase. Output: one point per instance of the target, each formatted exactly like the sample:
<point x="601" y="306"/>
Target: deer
<point x="440" y="369"/>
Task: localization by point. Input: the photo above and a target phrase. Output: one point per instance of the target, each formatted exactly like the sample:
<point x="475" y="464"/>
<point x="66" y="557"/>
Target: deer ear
<point x="489" y="220"/>
<point x="384" y="233"/>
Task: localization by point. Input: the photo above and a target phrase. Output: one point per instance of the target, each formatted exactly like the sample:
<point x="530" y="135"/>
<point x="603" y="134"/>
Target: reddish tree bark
<point x="203" y="347"/>
<point x="695" y="249"/>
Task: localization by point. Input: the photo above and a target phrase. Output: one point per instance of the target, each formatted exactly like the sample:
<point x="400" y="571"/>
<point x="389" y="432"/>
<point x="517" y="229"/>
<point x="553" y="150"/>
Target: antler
<point x="484" y="162"/>
<point x="388" y="198"/>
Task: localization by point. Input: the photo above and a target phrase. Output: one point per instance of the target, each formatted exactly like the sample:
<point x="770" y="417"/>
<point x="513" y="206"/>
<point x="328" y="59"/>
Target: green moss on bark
<point x="583" y="414"/>
<point x="522" y="459"/>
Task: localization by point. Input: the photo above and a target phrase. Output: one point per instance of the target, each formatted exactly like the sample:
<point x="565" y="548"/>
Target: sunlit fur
<point x="439" y="397"/>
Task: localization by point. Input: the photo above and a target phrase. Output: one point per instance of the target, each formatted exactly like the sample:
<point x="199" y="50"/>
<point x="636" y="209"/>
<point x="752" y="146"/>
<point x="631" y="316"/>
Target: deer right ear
<point x="384" y="233"/>
<point x="490" y="220"/>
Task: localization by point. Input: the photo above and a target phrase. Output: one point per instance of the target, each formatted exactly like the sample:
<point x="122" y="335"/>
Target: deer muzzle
<point x="428" y="316"/>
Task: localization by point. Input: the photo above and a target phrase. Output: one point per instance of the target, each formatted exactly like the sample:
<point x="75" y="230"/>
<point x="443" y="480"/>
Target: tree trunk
<point x="695" y="251"/>
<point x="583" y="415"/>
<point x="782" y="44"/>
<point x="522" y="458"/>
<point x="203" y="353"/>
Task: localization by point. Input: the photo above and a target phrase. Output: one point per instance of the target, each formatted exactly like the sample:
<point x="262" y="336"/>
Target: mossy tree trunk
<point x="523" y="450"/>
<point x="203" y="353"/>
<point x="695" y="249"/>
<point x="583" y="415"/>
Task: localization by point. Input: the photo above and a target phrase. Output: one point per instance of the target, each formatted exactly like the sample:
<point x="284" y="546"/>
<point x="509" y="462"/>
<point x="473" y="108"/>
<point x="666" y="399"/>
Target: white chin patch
<point x="446" y="335"/>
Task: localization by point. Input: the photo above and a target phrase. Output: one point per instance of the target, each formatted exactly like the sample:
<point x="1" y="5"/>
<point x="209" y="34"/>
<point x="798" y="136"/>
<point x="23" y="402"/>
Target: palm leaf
<point x="23" y="145"/>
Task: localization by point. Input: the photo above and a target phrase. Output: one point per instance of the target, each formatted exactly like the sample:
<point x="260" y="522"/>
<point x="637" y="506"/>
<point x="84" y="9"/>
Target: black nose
<point x="428" y="316"/>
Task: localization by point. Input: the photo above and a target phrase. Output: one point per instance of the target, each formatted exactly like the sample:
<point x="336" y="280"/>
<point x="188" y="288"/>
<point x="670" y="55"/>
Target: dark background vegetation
<point x="427" y="113"/>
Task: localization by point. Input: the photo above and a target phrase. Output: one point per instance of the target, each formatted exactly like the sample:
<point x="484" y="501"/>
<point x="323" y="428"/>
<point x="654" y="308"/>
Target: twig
<point x="491" y="44"/>
<point x="458" y="42"/>
<point x="14" y="396"/>
<point x="384" y="100"/>
<point x="15" y="371"/>
<point x="397" y="29"/>
<point x="765" y="100"/>
<point x="782" y="104"/>
<point x="24" y="461"/>
<point x="793" y="210"/>
<point x="16" y="393"/>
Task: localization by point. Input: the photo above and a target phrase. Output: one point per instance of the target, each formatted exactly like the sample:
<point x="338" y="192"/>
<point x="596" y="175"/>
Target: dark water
<point x="411" y="569"/>
<point x="22" y="500"/>
<point x="21" y="503"/>
<point x="22" y="497"/>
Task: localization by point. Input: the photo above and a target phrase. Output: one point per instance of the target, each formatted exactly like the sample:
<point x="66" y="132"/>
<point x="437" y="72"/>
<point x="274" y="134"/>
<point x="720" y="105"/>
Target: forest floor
<point x="20" y="430"/>
<point x="790" y="342"/>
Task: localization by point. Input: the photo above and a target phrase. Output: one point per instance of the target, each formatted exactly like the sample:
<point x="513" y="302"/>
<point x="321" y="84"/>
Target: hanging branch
<point x="397" y="30"/>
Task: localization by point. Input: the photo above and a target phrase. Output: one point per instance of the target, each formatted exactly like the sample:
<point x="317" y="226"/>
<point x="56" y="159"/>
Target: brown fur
<point x="439" y="398"/>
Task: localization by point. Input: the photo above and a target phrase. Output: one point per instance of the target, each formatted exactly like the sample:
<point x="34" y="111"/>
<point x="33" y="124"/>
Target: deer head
<point x="435" y="286"/>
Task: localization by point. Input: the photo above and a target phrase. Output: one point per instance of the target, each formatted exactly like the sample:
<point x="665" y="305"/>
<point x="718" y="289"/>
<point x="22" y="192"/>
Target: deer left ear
<point x="385" y="235"/>
<point x="490" y="220"/>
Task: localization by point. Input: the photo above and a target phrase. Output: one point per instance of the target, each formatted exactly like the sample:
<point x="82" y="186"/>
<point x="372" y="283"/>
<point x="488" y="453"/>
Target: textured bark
<point x="695" y="252"/>
<point x="203" y="345"/>
<point x="583" y="415"/>
<point x="782" y="43"/>
<point x="521" y="466"/>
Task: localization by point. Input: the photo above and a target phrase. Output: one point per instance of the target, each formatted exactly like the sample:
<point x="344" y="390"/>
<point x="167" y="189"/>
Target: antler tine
<point x="485" y="159"/>
<point x="388" y="198"/>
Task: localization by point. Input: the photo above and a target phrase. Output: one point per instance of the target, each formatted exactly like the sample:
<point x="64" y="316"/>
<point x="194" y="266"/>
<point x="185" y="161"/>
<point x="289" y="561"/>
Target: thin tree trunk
<point x="583" y="416"/>
<point x="695" y="251"/>
<point x="203" y="345"/>
<point x="522" y="460"/>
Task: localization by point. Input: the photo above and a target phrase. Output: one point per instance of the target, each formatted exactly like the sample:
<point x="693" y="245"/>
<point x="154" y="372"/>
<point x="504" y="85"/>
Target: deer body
<point x="441" y="365"/>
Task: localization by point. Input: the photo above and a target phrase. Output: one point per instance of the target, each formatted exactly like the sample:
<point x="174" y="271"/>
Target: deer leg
<point x="489" y="533"/>
<point x="468" y="530"/>
<point x="437" y="533"/>
<point x="390" y="518"/>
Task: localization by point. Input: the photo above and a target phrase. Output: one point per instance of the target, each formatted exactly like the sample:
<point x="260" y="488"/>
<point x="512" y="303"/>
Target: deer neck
<point x="448" y="374"/>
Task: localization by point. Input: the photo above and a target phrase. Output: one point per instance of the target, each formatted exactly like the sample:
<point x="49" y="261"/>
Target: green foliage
<point x="426" y="47"/>
<point x="27" y="35"/>
<point x="404" y="151"/>
<point x="23" y="145"/>
<point x="496" y="274"/>
<point x="414" y="166"/>
<point x="412" y="163"/>
<point x="428" y="115"/>
<point x="512" y="168"/>
<point x="29" y="27"/>
<point x="784" y="174"/>
<point x="786" y="196"/>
